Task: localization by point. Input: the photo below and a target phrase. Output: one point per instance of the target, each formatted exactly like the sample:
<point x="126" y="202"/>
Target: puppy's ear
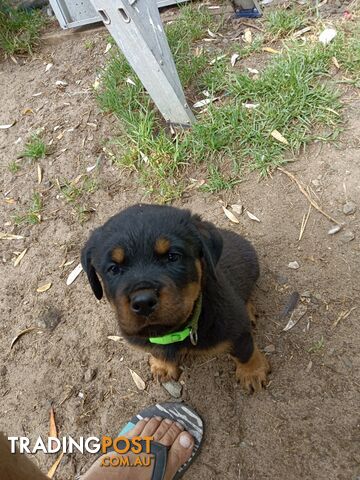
<point x="211" y="241"/>
<point x="88" y="267"/>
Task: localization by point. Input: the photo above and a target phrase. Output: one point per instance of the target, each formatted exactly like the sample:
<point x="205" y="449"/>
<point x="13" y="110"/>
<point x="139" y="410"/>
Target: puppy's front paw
<point x="163" y="371"/>
<point x="252" y="375"/>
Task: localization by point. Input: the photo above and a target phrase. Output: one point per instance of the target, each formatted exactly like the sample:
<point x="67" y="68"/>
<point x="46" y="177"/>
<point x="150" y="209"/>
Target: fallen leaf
<point x="4" y="127"/>
<point x="251" y="106"/>
<point x="253" y="70"/>
<point x="39" y="173"/>
<point x="139" y="382"/>
<point x="96" y="84"/>
<point x="130" y="82"/>
<point x="23" y="332"/>
<point x="48" y="67"/>
<point x="108" y="48"/>
<point x="301" y="32"/>
<point x="296" y="315"/>
<point x="74" y="274"/>
<point x="52" y="427"/>
<point x="248" y="36"/>
<point x="230" y="215"/>
<point x="220" y="57"/>
<point x="61" y="83"/>
<point x="234" y="58"/>
<point x="28" y="111"/>
<point x="237" y="208"/>
<point x="44" y="288"/>
<point x="202" y="103"/>
<point x="277" y="135"/>
<point x="10" y="236"/>
<point x="327" y="35"/>
<point x="270" y="50"/>
<point x="115" y="338"/>
<point x="335" y="62"/>
<point x="252" y="216"/>
<point x="211" y="34"/>
<point x="20" y="257"/>
<point x="52" y="470"/>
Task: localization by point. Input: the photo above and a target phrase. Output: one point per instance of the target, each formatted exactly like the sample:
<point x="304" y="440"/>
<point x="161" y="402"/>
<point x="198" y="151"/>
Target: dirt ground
<point x="306" y="424"/>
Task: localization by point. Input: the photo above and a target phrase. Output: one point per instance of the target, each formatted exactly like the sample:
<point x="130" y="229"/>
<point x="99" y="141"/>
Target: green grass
<point x="35" y="148"/>
<point x="317" y="346"/>
<point x="294" y="94"/>
<point x="14" y="167"/>
<point x="33" y="215"/>
<point x="19" y="29"/>
<point x="73" y="191"/>
<point x="281" y="23"/>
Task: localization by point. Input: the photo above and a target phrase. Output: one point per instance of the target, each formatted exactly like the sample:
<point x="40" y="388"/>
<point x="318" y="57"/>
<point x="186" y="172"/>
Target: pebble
<point x="349" y="208"/>
<point x="270" y="349"/>
<point x="294" y="265"/>
<point x="334" y="229"/>
<point x="173" y="388"/>
<point x="347" y="236"/>
<point x="90" y="374"/>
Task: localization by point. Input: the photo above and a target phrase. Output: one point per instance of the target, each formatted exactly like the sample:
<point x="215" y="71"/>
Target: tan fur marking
<point x="118" y="255"/>
<point x="251" y="310"/>
<point x="162" y="370"/>
<point x="252" y="375"/>
<point x="162" y="246"/>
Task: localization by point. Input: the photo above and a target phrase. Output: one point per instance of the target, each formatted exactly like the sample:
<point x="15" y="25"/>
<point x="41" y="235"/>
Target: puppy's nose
<point x="143" y="302"/>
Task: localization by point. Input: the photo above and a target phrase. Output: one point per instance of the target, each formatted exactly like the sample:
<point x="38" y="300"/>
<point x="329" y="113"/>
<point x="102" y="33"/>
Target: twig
<point x="343" y="316"/>
<point x="305" y="193"/>
<point x="304" y="223"/>
<point x="252" y="26"/>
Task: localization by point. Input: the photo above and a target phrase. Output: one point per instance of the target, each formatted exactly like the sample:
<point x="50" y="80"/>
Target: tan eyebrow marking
<point x="162" y="246"/>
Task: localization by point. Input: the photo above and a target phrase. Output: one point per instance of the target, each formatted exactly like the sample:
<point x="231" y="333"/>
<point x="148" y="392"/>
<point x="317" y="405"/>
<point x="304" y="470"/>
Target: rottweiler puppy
<point x="179" y="286"/>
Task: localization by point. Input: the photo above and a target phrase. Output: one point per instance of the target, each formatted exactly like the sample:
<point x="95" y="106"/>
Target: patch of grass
<point x="19" y="29"/>
<point x="281" y="23"/>
<point x="14" y="167"/>
<point x="293" y="93"/>
<point x="33" y="214"/>
<point x="73" y="190"/>
<point x="317" y="346"/>
<point x="35" y="148"/>
<point x="89" y="44"/>
<point x="217" y="181"/>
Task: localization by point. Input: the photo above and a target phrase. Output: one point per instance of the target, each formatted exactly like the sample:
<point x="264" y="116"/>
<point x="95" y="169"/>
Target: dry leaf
<point x="202" y="103"/>
<point x="139" y="382"/>
<point x="230" y="215"/>
<point x="52" y="427"/>
<point x="23" y="332"/>
<point x="115" y="338"/>
<point x="44" y="288"/>
<point x="248" y="36"/>
<point x="10" y="236"/>
<point x="296" y="315"/>
<point x="251" y="106"/>
<point x="74" y="274"/>
<point x="108" y="47"/>
<point x="52" y="470"/>
<point x="39" y="173"/>
<point x="335" y="62"/>
<point x="301" y="32"/>
<point x="20" y="257"/>
<point x="4" y="127"/>
<point x="327" y="35"/>
<point x="253" y="70"/>
<point x="277" y="135"/>
<point x="28" y="111"/>
<point x="237" y="208"/>
<point x="211" y="34"/>
<point x="234" y="58"/>
<point x="130" y="82"/>
<point x="220" y="57"/>
<point x="252" y="216"/>
<point x="270" y="50"/>
<point x="48" y="66"/>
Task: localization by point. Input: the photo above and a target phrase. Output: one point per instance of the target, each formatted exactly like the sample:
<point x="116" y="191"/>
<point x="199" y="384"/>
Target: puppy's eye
<point x="174" y="257"/>
<point x="114" y="269"/>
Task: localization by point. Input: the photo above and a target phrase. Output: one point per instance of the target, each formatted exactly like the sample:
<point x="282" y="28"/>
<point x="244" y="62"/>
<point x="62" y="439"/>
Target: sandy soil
<point x="306" y="424"/>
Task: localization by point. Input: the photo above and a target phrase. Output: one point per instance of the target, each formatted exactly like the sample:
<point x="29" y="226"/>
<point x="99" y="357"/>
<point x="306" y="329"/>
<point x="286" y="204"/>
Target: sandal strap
<point x="160" y="453"/>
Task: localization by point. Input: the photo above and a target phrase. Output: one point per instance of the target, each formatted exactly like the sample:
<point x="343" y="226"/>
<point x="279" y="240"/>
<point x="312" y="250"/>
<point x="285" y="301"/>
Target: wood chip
<point x="52" y="424"/>
<point x="115" y="338"/>
<point x="248" y="36"/>
<point x="270" y="50"/>
<point x="10" y="236"/>
<point x="23" y="332"/>
<point x="20" y="257"/>
<point x="211" y="34"/>
<point x="237" y="208"/>
<point x="139" y="382"/>
<point x="74" y="274"/>
<point x="44" y="288"/>
<point x="277" y="135"/>
<point x="230" y="215"/>
<point x="39" y="173"/>
<point x="234" y="58"/>
<point x="335" y="62"/>
<point x="53" y="469"/>
<point x="252" y="216"/>
<point x="108" y="48"/>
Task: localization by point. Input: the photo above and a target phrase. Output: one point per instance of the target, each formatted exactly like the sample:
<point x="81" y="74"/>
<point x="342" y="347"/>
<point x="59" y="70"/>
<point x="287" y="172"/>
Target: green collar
<point x="189" y="330"/>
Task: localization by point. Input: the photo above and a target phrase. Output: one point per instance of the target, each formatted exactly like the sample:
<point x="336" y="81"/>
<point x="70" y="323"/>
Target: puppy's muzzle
<point x="144" y="302"/>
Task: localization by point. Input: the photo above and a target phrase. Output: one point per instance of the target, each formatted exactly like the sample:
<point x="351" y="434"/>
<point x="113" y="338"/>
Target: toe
<point x="162" y="429"/>
<point x="171" y="434"/>
<point x="150" y="427"/>
<point x="179" y="454"/>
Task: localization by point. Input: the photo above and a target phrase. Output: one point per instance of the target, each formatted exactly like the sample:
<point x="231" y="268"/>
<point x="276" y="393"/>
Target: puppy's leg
<point x="164" y="370"/>
<point x="251" y="365"/>
<point x="251" y="311"/>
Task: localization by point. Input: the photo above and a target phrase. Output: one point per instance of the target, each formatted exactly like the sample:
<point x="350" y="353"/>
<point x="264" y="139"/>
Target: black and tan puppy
<point x="179" y="285"/>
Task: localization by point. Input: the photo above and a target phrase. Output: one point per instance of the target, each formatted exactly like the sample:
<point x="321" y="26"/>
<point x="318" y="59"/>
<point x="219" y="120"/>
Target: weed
<point x="33" y="215"/>
<point x="35" y="148"/>
<point x="217" y="181"/>
<point x="14" y="167"/>
<point x="317" y="346"/>
<point x="19" y="29"/>
<point x="284" y="22"/>
<point x="89" y="44"/>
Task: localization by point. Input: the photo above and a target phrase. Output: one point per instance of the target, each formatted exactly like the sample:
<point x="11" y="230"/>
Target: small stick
<point x="252" y="26"/>
<point x="306" y="194"/>
<point x="304" y="223"/>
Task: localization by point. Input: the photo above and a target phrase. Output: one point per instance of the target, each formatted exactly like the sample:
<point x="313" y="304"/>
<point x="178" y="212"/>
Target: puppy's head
<point x="151" y="261"/>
